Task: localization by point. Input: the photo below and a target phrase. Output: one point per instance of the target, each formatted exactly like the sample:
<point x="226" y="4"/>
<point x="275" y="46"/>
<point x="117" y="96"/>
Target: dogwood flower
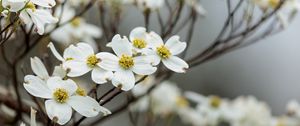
<point x="125" y="64"/>
<point x="75" y="31"/>
<point x="31" y="14"/>
<point x="150" y="4"/>
<point x="61" y="94"/>
<point x="195" y="4"/>
<point x="167" y="52"/>
<point x="139" y="39"/>
<point x="80" y="59"/>
<point x="61" y="98"/>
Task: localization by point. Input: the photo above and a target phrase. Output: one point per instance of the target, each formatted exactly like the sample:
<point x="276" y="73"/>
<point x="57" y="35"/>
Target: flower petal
<point x="76" y="68"/>
<point x="108" y="61"/>
<point x="36" y="87"/>
<point x="13" y="5"/>
<point x="44" y="3"/>
<point x="152" y="56"/>
<point x="121" y="46"/>
<point x="54" y="51"/>
<point x="85" y="48"/>
<point x="124" y="79"/>
<point x="39" y="68"/>
<point x="175" y="64"/>
<point x="56" y="82"/>
<point x="175" y="46"/>
<point x="138" y="32"/>
<point x="101" y="76"/>
<point x="154" y="40"/>
<point x="86" y="106"/>
<point x="59" y="71"/>
<point x="62" y="112"/>
<point x="142" y="66"/>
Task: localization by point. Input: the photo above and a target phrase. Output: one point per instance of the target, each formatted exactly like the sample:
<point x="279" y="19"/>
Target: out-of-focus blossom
<point x="150" y="4"/>
<point x="195" y="4"/>
<point x="78" y="30"/>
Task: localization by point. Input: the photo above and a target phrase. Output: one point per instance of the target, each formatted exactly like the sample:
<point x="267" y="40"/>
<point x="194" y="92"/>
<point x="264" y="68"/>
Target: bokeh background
<point x="268" y="70"/>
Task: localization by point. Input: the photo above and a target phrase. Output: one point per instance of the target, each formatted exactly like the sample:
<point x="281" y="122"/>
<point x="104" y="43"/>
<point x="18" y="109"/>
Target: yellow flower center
<point x="76" y="22"/>
<point x="80" y="91"/>
<point x="31" y="6"/>
<point x="139" y="43"/>
<point x="61" y="95"/>
<point x="92" y="61"/>
<point x="126" y="61"/>
<point x="215" y="101"/>
<point x="182" y="102"/>
<point x="163" y="52"/>
<point x="274" y="3"/>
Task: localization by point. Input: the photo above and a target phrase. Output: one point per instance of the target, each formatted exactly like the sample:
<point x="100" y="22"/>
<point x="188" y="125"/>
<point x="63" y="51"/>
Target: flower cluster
<point x="285" y="14"/>
<point x="138" y="55"/>
<point x="198" y="110"/>
<point x="30" y="11"/>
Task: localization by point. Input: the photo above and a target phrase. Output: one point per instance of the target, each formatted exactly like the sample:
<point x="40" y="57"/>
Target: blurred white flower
<point x="247" y="106"/>
<point x="195" y="4"/>
<point x="167" y="52"/>
<point x="150" y="4"/>
<point x="165" y="99"/>
<point x="75" y="31"/>
<point x="31" y="14"/>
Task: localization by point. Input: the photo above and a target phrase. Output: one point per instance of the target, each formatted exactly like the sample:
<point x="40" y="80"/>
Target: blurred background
<point x="268" y="70"/>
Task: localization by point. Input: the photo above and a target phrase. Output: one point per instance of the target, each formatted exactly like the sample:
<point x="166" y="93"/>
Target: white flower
<point x="246" y="107"/>
<point x="167" y="52"/>
<point x="62" y="95"/>
<point x="16" y="5"/>
<point x="165" y="98"/>
<point x="61" y="98"/>
<point x="125" y="64"/>
<point x="195" y="4"/>
<point x="150" y="4"/>
<point x="80" y="59"/>
<point x="75" y="31"/>
<point x="139" y="39"/>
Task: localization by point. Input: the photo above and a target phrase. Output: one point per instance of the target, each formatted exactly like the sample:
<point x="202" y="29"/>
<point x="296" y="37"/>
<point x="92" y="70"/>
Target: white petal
<point x="152" y="56"/>
<point x="36" y="87"/>
<point x="85" y="48"/>
<point x="54" y="51"/>
<point x="39" y="68"/>
<point x="76" y="53"/>
<point x="108" y="61"/>
<point x="56" y="82"/>
<point x="154" y="40"/>
<point x="77" y="68"/>
<point x="121" y="46"/>
<point x="85" y="106"/>
<point x="101" y="76"/>
<point x="14" y="5"/>
<point x="124" y="79"/>
<point x="59" y="71"/>
<point x="44" y="3"/>
<point x="175" y="46"/>
<point x="92" y="30"/>
<point x="62" y="112"/>
<point x="25" y="17"/>
<point x="175" y="64"/>
<point x="138" y="32"/>
<point x="142" y="66"/>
